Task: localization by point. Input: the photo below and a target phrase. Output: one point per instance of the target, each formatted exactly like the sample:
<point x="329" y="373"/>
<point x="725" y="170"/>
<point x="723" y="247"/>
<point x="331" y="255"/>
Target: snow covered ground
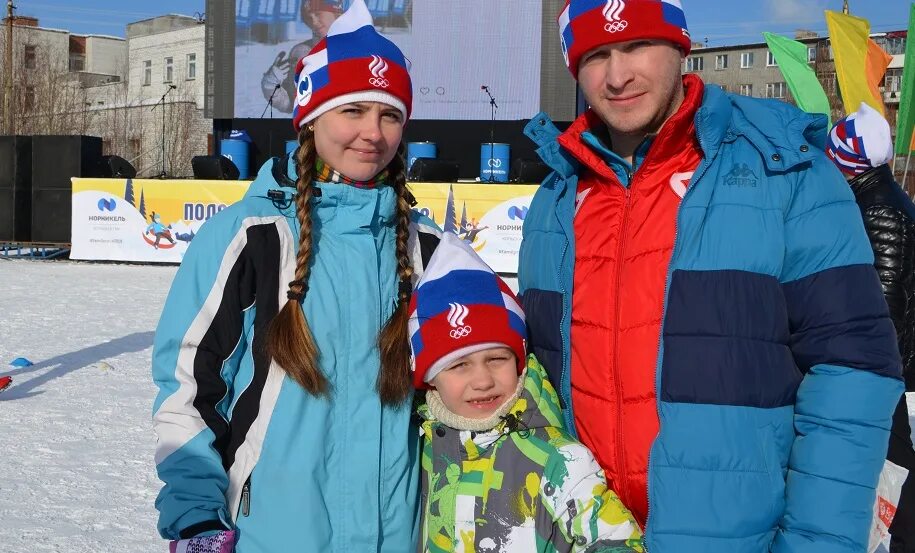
<point x="76" y="456"/>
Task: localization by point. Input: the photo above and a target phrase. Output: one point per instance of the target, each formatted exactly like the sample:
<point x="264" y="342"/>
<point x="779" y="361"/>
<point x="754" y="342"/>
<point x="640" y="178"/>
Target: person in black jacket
<point x="860" y="145"/>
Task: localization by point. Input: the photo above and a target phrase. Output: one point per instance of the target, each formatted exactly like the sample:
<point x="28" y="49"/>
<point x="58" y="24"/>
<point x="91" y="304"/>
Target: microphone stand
<point x="270" y="102"/>
<point x="163" y="174"/>
<point x="492" y="131"/>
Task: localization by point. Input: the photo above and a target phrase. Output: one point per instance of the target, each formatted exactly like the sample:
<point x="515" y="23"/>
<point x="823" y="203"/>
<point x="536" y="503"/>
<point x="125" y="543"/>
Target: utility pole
<point x="8" y="104"/>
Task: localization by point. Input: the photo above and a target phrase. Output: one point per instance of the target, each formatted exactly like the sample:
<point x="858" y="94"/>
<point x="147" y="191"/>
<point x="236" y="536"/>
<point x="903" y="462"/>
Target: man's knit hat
<point x="860" y="141"/>
<point x="587" y="24"/>
<point x="460" y="306"/>
<point x="354" y="63"/>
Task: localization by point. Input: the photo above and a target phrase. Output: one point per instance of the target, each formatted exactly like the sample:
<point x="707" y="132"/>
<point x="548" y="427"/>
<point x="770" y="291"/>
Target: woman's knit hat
<point x="354" y="63"/>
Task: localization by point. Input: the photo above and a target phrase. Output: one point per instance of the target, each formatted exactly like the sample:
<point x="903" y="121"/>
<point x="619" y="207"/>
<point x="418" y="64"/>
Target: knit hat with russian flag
<point x="587" y="24"/>
<point x="354" y="63"/>
<point x="460" y="306"/>
<point x="860" y="141"/>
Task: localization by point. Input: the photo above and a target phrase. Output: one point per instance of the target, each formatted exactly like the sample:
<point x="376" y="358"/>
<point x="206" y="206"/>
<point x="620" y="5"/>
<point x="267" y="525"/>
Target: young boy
<point x="500" y="473"/>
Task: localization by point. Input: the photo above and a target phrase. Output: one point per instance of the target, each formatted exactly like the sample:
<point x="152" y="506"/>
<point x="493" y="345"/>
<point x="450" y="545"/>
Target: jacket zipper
<point x="246" y="498"/>
<point x="703" y="167"/>
<point x="623" y="487"/>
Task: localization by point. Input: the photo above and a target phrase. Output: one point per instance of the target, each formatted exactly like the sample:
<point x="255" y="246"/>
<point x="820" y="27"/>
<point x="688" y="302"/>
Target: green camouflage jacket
<point x="525" y="486"/>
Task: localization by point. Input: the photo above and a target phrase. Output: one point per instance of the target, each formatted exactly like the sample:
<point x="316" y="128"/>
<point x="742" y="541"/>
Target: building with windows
<point x="752" y="70"/>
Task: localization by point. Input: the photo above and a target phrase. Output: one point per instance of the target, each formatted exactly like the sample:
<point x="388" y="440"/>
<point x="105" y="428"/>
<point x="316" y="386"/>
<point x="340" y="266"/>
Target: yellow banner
<point x="489" y="216"/>
<point x="144" y="220"/>
<point x="155" y="220"/>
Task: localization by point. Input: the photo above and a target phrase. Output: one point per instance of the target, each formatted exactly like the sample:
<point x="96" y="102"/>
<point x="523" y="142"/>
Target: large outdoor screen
<point x="455" y="47"/>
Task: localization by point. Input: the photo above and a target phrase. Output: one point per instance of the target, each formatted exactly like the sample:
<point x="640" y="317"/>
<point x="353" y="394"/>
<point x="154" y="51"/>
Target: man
<point x="318" y="15"/>
<point x="861" y="146"/>
<point x="700" y="288"/>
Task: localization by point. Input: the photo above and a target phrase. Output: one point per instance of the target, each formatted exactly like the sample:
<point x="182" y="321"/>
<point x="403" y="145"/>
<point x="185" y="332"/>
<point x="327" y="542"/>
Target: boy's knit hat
<point x="353" y="63"/>
<point x="587" y="24"/>
<point x="860" y="141"/>
<point x="460" y="306"/>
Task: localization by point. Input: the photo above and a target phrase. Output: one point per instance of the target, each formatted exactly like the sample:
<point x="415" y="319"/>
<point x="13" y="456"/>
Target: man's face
<point x="633" y="86"/>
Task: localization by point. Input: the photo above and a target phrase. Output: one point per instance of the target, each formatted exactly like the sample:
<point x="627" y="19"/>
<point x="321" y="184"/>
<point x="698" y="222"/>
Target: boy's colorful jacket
<point x="526" y="485"/>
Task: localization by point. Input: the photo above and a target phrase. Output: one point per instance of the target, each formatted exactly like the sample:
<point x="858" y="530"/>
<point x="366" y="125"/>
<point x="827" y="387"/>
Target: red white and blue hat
<point x="354" y="63"/>
<point x="860" y="141"/>
<point x="587" y="24"/>
<point x="460" y="306"/>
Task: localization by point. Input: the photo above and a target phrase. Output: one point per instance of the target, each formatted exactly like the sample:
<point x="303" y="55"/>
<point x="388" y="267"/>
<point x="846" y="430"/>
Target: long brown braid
<point x="393" y="341"/>
<point x="289" y="339"/>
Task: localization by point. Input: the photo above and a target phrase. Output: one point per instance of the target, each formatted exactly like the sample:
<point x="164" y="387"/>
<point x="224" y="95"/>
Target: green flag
<point x="791" y="56"/>
<point x="905" y="119"/>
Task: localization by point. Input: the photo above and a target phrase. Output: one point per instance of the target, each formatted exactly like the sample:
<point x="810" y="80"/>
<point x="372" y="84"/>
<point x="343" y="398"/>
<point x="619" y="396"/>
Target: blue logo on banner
<point x="107" y="204"/>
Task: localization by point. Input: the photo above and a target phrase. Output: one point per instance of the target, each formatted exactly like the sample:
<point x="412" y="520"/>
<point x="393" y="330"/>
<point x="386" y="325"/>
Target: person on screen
<point x="282" y="358"/>
<point x="279" y="79"/>
<point x="700" y="288"/>
<point x="491" y="416"/>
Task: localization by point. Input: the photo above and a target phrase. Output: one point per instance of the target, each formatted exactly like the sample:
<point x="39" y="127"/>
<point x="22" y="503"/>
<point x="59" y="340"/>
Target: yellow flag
<point x="849" y="37"/>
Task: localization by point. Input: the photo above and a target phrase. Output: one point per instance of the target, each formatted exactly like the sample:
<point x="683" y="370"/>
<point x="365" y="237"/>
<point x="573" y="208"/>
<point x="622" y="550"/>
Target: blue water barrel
<point x="237" y="151"/>
<point x="494" y="162"/>
<point x="291" y="146"/>
<point x="420" y="149"/>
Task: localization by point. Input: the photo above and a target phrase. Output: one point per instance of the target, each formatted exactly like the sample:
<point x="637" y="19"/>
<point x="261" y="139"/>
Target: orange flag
<point x="877" y="62"/>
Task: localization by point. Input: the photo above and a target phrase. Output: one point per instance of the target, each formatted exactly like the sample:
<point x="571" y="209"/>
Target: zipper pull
<point x="246" y="498"/>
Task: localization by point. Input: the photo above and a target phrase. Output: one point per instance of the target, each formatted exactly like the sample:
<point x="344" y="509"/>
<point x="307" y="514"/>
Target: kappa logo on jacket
<point x="741" y="175"/>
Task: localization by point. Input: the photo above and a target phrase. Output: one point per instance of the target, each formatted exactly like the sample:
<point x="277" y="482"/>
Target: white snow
<point x="76" y="456"/>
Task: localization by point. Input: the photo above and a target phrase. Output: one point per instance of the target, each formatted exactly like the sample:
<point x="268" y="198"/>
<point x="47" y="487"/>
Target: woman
<point x="282" y="357"/>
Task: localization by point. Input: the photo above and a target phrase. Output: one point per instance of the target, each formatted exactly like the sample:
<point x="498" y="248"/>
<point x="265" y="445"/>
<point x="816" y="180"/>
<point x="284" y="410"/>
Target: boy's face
<point x="475" y="385"/>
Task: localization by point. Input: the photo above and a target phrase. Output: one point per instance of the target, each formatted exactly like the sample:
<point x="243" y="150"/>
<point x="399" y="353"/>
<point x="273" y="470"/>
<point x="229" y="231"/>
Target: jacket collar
<point x="871" y="178"/>
<point x="784" y="136"/>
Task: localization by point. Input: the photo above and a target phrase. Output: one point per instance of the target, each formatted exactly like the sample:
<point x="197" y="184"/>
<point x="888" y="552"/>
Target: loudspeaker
<point x="214" y="168"/>
<point x="57" y="159"/>
<point x="51" y="215"/>
<point x="528" y="171"/>
<point x="434" y="170"/>
<point x="15" y="188"/>
<point x="117" y="167"/>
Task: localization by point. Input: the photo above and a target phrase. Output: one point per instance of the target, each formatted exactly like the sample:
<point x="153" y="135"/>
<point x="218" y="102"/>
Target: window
<point x="894" y="45"/>
<point x="746" y="90"/>
<point x="169" y="70"/>
<point x="811" y="54"/>
<point x="147" y="72"/>
<point x="770" y="59"/>
<point x="694" y="63"/>
<point x="829" y="82"/>
<point x="77" y="64"/>
<point x="746" y="60"/>
<point x="891" y="81"/>
<point x="721" y="62"/>
<point x="29" y="58"/>
<point x="191" y="67"/>
<point x="775" y="90"/>
<point x="29" y="103"/>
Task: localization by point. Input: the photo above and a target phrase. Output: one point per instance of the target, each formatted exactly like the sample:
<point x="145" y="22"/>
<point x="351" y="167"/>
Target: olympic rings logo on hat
<point x="379" y="82"/>
<point x="378" y="66"/>
<point x="616" y="26"/>
<point x="461" y="332"/>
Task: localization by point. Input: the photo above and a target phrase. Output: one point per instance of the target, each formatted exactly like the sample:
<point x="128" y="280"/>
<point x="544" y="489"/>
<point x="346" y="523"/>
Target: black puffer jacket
<point x="889" y="216"/>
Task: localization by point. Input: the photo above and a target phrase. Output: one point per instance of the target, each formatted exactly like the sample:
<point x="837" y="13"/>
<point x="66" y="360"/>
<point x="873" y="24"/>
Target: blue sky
<point x="723" y="22"/>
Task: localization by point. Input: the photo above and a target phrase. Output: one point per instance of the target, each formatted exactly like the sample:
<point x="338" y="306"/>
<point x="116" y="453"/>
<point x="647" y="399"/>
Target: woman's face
<point x="359" y="140"/>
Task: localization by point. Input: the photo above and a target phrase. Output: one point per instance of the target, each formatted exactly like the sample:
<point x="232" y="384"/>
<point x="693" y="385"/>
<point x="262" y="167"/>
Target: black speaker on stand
<point x="214" y="168"/>
<point x="434" y="170"/>
<point x="15" y="188"/>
